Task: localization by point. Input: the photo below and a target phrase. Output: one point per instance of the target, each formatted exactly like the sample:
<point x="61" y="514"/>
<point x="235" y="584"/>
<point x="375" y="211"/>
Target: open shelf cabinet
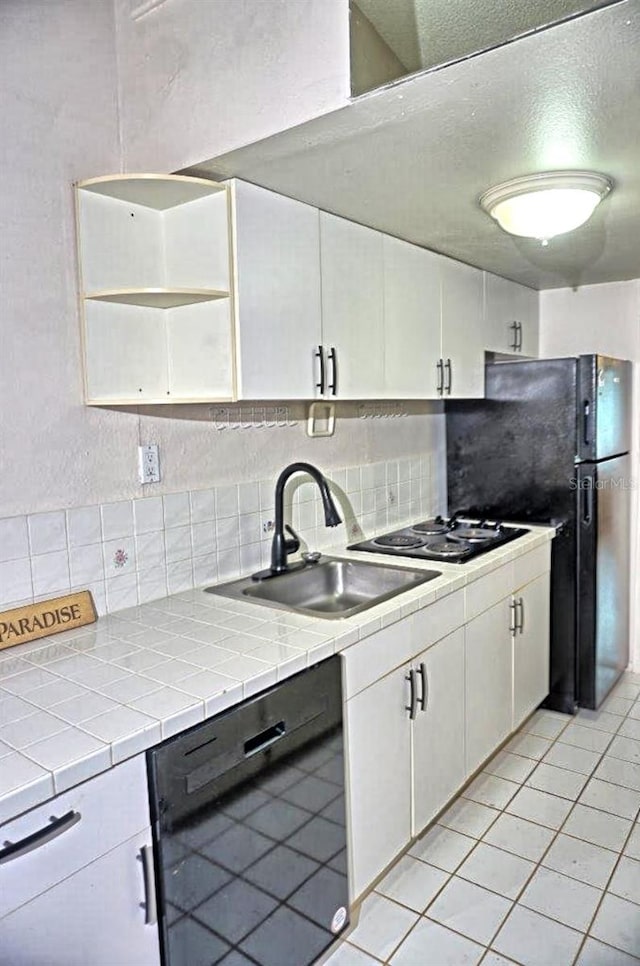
<point x="156" y="283"/>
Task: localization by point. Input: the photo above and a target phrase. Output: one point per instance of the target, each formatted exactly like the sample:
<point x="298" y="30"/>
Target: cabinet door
<point x="463" y="335"/>
<point x="488" y="683"/>
<point x="411" y="320"/>
<point x="508" y="304"/>
<point x="379" y="776"/>
<point x="95" y="916"/>
<point x="277" y="289"/>
<point x="438" y="730"/>
<point x="531" y="649"/>
<point x="353" y="306"/>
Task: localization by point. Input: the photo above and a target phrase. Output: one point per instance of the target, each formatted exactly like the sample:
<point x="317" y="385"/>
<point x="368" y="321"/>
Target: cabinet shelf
<point x="160" y="298"/>
<point x="152" y="190"/>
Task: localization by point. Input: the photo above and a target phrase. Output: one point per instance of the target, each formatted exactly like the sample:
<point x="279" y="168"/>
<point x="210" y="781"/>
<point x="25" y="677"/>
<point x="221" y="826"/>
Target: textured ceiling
<point x="423" y="33"/>
<point x="411" y="159"/>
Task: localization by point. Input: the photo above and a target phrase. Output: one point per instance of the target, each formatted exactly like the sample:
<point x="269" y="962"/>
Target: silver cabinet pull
<point x="333" y="359"/>
<point x="412" y="706"/>
<point x="514" y="345"/>
<point x="440" y="370"/>
<point x="150" y="899"/>
<point x="513" y="622"/>
<point x="321" y="385"/>
<point x="424" y="696"/>
<point x="449" y="383"/>
<point x="519" y="346"/>
<point x="57" y="826"/>
<point x="520" y="625"/>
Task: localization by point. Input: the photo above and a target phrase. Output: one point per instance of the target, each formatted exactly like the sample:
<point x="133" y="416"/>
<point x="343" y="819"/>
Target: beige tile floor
<point x="537" y="862"/>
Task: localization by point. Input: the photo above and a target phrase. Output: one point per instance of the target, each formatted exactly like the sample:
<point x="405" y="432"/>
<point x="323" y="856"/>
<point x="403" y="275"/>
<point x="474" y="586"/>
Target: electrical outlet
<point x="148" y="463"/>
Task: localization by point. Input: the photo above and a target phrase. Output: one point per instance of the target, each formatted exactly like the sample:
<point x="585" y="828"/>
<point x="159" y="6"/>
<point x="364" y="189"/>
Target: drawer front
<point x="532" y="565"/>
<point x="433" y="623"/>
<point x="112" y="807"/>
<point x="488" y="590"/>
<point x="372" y="658"/>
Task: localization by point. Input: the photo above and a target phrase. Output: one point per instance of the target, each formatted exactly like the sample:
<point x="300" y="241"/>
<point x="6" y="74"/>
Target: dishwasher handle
<point x="264" y="739"/>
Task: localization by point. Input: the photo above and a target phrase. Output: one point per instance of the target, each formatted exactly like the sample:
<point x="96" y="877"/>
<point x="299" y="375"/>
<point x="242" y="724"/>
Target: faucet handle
<point x="292" y="545"/>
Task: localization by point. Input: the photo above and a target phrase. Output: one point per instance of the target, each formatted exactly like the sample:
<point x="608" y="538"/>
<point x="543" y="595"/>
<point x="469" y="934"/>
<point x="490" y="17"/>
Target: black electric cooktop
<point x="456" y="539"/>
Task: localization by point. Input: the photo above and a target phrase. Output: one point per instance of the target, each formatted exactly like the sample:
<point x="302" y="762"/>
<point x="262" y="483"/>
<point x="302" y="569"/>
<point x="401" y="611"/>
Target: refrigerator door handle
<point x="587" y="502"/>
<point x="586" y="413"/>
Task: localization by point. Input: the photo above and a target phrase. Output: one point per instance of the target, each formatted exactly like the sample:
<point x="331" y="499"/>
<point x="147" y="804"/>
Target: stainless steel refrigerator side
<point x="604" y="407"/>
<point x="603" y="498"/>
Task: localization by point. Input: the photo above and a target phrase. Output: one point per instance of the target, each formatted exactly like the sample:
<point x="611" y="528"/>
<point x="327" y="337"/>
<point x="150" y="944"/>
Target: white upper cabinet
<point x="276" y="247"/>
<point x="412" y="343"/>
<point x="463" y="336"/>
<point x="155" y="284"/>
<point x="352" y="308"/>
<point x="511" y="317"/>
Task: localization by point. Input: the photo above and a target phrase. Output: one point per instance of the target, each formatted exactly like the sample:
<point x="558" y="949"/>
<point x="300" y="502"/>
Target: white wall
<point x="60" y="123"/>
<point x="200" y="77"/>
<point x="604" y="319"/>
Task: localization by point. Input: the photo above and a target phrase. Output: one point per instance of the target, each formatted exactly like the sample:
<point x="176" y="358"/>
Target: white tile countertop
<point x="73" y="705"/>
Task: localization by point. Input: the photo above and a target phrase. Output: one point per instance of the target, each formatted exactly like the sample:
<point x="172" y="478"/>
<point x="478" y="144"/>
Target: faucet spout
<point x="282" y="546"/>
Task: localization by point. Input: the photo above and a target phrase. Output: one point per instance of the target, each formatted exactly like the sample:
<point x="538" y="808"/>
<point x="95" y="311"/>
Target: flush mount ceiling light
<point x="546" y="204"/>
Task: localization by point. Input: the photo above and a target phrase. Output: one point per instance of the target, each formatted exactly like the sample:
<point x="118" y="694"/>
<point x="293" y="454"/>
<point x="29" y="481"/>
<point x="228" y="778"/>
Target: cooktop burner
<point x="473" y="534"/>
<point x="455" y="540"/>
<point x="438" y="525"/>
<point x="398" y="540"/>
<point x="448" y="549"/>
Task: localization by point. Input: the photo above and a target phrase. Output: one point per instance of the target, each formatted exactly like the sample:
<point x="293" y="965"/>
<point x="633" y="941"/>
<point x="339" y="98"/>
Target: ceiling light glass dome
<point x="546" y="204"/>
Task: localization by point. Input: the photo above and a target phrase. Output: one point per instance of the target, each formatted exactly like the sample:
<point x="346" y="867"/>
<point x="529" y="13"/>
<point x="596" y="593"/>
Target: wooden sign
<point x="28" y="623"/>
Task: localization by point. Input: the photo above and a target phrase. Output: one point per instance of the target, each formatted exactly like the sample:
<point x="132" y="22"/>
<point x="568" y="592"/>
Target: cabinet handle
<point x="13" y="850"/>
<point x="321" y="385"/>
<point x="519" y="345"/>
<point x="150" y="899"/>
<point x="440" y="368"/>
<point x="412" y="706"/>
<point x="424" y="696"/>
<point x="521" y="611"/>
<point x="514" y="345"/>
<point x="449" y="383"/>
<point x="333" y="359"/>
<point x="513" y="623"/>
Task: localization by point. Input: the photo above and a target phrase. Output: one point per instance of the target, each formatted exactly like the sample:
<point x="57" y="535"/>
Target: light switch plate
<point x="148" y="463"/>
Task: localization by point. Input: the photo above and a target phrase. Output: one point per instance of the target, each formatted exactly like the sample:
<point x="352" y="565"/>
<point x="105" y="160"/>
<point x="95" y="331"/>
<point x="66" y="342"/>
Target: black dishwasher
<point x="248" y="816"/>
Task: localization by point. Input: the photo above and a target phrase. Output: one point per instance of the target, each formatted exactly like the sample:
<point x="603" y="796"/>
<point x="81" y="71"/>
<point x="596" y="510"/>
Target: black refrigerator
<point x="550" y="444"/>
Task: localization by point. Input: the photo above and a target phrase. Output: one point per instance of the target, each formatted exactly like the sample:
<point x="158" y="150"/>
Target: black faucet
<point x="282" y="546"/>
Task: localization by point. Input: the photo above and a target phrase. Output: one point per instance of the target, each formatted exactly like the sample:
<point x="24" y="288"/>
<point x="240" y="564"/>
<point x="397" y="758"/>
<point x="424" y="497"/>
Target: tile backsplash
<point x="135" y="551"/>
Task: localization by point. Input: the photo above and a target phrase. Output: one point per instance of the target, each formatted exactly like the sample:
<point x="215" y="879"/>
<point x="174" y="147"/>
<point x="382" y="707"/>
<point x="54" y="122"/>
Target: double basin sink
<point x="331" y="588"/>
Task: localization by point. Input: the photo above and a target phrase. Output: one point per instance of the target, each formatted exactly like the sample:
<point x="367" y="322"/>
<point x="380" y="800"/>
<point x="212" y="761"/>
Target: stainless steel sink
<point x="331" y="588"/>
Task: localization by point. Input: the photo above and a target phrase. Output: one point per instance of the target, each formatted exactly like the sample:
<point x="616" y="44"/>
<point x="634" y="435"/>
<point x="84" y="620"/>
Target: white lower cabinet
<point x="72" y="890"/>
<point x="95" y="916"/>
<point x="379" y="776"/>
<point x="403" y="769"/>
<point x="530" y="648"/>
<point x="438" y="764"/>
<point x="472" y="666"/>
<point x="488" y="682"/>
